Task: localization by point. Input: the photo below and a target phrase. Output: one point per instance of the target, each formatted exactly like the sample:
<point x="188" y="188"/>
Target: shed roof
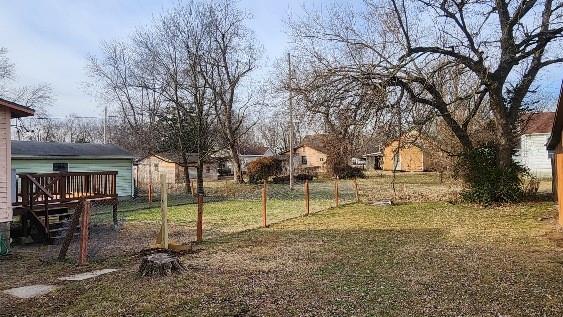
<point x="253" y="150"/>
<point x="172" y="157"/>
<point x="34" y="149"/>
<point x="17" y="110"/>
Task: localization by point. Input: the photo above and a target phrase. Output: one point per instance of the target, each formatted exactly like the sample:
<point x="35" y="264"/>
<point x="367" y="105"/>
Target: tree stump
<point x="160" y="264"/>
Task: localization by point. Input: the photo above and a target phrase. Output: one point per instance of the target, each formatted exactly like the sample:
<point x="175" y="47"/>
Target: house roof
<point x="176" y="158"/>
<point x="557" y="125"/>
<point x="316" y="142"/>
<point x="541" y="122"/>
<point x="34" y="149"/>
<point x="253" y="150"/>
<point x="17" y="110"/>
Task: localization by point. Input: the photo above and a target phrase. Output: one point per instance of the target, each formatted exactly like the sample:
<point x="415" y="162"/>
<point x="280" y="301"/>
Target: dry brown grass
<point x="433" y="259"/>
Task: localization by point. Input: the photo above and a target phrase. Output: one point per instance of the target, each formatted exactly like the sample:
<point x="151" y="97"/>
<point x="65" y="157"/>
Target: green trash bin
<point x="4" y="246"/>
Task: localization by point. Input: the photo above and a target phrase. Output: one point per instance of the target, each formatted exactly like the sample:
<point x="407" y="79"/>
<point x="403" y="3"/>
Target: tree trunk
<point x="235" y="160"/>
<point x="505" y="127"/>
<point x="187" y="181"/>
<point x="160" y="264"/>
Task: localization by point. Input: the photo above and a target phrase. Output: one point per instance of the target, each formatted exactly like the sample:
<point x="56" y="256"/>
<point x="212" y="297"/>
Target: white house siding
<point x="533" y="154"/>
<point x="123" y="167"/>
<point x="246" y="159"/>
<point x="5" y="168"/>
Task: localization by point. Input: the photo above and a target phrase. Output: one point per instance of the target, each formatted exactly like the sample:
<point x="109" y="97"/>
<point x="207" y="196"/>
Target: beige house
<point x="147" y="170"/>
<point x="311" y="155"/>
<point x="307" y="157"/>
<point x="8" y="110"/>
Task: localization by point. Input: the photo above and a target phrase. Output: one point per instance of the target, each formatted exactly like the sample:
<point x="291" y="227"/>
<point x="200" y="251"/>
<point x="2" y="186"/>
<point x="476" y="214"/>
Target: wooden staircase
<point x="46" y="202"/>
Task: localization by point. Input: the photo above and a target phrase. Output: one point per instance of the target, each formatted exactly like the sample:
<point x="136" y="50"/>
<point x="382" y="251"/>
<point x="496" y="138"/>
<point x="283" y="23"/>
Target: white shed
<point x="532" y="152"/>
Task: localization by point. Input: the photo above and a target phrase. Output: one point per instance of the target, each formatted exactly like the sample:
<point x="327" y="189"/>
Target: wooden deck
<point x="44" y="201"/>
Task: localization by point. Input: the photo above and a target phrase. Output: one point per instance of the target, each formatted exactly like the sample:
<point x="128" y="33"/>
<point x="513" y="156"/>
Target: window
<point x="156" y="167"/>
<point x="322" y="159"/>
<point x="303" y="160"/>
<point x="208" y="169"/>
<point x="60" y="167"/>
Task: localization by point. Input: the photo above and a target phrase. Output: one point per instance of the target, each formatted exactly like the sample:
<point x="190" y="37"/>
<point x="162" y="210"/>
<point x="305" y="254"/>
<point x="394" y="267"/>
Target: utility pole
<point x="290" y="124"/>
<point x="105" y="122"/>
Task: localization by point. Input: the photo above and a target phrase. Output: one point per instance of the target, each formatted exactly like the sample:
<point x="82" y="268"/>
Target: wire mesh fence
<point x="135" y="223"/>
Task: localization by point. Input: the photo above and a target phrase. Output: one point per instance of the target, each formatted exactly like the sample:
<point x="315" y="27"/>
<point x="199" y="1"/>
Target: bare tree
<point x="115" y="79"/>
<point x="232" y="57"/>
<point x="497" y="48"/>
<point x="160" y="82"/>
<point x="38" y="97"/>
<point x="6" y="70"/>
<point x="273" y="131"/>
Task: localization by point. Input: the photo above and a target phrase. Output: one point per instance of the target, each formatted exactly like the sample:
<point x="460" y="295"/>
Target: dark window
<point x="208" y="169"/>
<point x="60" y="167"/>
<point x="303" y="160"/>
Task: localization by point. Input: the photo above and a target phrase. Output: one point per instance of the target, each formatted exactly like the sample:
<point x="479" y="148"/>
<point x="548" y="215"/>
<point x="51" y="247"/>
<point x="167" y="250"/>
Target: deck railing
<point x="60" y="187"/>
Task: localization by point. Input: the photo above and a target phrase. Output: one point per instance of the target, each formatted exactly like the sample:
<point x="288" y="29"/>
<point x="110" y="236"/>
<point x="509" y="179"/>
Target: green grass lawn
<point x="417" y="259"/>
<point x="225" y="217"/>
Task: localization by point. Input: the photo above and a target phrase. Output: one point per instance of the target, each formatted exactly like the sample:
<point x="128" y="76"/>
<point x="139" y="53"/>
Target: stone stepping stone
<point x="30" y="291"/>
<point x="87" y="275"/>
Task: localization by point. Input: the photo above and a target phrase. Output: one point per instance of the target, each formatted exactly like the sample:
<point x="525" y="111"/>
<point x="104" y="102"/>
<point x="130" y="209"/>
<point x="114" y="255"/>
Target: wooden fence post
<point x="84" y="223"/>
<point x="150" y="193"/>
<point x="336" y="193"/>
<point x="264" y="201"/>
<point x="199" y="229"/>
<point x="357" y="190"/>
<point x="164" y="211"/>
<point x="306" y="188"/>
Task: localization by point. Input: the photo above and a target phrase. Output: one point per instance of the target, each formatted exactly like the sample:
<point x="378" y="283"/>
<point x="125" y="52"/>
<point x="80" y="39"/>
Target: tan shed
<point x="410" y="157"/>
<point x="555" y="150"/>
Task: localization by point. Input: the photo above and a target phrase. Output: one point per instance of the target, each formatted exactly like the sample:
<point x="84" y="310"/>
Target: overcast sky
<point x="49" y="40"/>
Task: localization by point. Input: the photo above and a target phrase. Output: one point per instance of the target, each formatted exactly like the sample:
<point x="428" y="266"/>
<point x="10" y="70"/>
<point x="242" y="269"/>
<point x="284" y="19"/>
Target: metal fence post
<point x="357" y="190"/>
<point x="336" y="193"/>
<point x="264" y="201"/>
<point x="306" y="188"/>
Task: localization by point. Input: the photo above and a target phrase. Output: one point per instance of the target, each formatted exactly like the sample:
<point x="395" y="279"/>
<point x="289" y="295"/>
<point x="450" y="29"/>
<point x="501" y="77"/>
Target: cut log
<point x="160" y="264"/>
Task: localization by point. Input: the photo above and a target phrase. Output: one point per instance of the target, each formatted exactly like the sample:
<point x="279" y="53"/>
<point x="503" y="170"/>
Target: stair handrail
<point x="41" y="188"/>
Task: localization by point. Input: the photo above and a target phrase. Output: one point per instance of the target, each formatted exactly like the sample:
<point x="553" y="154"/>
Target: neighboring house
<point x="532" y="151"/>
<point x="47" y="157"/>
<point x="247" y="154"/>
<point x="148" y="169"/>
<point x="410" y="158"/>
<point x="310" y="155"/>
<point x="8" y="110"/>
<point x="555" y="149"/>
<point x="252" y="153"/>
